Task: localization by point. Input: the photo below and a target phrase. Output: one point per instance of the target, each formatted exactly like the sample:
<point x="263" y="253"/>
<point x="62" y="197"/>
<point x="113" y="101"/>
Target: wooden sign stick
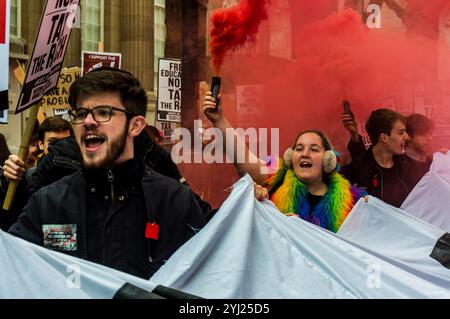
<point x="23" y="153"/>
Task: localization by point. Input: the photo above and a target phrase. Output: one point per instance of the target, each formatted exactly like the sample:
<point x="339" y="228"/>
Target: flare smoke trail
<point x="232" y="27"/>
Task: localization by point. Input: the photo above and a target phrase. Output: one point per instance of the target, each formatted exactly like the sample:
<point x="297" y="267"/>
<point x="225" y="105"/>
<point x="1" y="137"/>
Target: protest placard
<point x="58" y="98"/>
<point x="43" y="71"/>
<point x="94" y="60"/>
<point x="249" y="99"/>
<point x="167" y="129"/>
<point x="49" y="51"/>
<point x="432" y="99"/>
<point x="169" y="91"/>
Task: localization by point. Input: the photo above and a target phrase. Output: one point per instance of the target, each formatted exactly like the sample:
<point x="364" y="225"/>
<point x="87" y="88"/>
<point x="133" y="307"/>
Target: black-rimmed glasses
<point x="100" y="114"/>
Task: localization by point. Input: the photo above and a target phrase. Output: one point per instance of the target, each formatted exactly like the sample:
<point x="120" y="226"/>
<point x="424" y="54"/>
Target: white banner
<point x="398" y="238"/>
<point x="250" y="250"/>
<point x="430" y="199"/>
<point x="169" y="91"/>
<point x="29" y="271"/>
<point x="4" y="53"/>
<point x="49" y="50"/>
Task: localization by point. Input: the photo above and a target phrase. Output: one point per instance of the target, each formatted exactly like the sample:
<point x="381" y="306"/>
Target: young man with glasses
<point x="115" y="211"/>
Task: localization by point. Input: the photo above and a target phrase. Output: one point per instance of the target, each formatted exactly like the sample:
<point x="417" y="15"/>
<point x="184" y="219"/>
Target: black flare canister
<point x="215" y="89"/>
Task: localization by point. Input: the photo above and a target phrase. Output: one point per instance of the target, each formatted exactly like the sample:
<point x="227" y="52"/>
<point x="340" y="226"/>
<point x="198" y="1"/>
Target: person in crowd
<point x="34" y="152"/>
<point x="306" y="184"/>
<point x="15" y="169"/>
<point x="155" y="134"/>
<point x="383" y="170"/>
<point x="51" y="130"/>
<point x="418" y="150"/>
<point x="420" y="144"/>
<point x="419" y="147"/>
<point x="63" y="157"/>
<point x="114" y="211"/>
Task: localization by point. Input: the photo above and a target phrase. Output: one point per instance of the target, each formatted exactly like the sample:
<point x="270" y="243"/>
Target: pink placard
<point x="49" y="50"/>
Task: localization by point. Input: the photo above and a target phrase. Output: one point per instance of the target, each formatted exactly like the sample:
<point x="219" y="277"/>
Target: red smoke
<point x="429" y="9"/>
<point x="336" y="56"/>
<point x="422" y="17"/>
<point x="309" y="57"/>
<point x="232" y="27"/>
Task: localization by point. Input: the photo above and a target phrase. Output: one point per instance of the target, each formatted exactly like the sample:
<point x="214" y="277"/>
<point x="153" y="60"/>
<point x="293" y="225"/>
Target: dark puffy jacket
<point x="62" y="207"/>
<point x="8" y="218"/>
<point x="63" y="158"/>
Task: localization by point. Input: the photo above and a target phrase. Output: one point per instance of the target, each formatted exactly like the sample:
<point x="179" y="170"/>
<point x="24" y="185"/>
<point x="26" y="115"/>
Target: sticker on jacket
<point x="60" y="237"/>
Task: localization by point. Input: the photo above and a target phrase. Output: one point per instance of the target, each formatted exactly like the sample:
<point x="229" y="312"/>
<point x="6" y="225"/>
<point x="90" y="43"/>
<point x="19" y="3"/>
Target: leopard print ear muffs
<point x="329" y="161"/>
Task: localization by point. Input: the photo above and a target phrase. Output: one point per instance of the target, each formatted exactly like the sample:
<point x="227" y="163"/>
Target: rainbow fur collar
<point x="290" y="195"/>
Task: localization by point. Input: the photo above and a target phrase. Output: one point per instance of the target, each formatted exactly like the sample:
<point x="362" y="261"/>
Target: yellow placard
<point x="58" y="98"/>
<point x="41" y="116"/>
<point x="19" y="73"/>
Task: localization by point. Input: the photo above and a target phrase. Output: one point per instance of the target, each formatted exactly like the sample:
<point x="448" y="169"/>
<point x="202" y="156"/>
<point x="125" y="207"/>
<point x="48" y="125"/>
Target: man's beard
<point x="112" y="153"/>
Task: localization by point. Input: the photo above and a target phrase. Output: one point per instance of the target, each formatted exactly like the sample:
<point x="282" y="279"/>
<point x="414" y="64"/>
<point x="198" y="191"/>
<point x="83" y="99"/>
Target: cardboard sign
<point x="58" y="98"/>
<point x="4" y="54"/>
<point x="94" y="60"/>
<point x="432" y="99"/>
<point x="49" y="50"/>
<point x="167" y="129"/>
<point x="249" y="99"/>
<point x="169" y="91"/>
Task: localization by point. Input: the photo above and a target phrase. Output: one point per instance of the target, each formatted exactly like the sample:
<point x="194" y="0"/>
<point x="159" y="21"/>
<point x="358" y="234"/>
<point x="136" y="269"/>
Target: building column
<point x="194" y="61"/>
<point x="136" y="39"/>
<point x="174" y="24"/>
<point x="112" y="26"/>
<point x="73" y="52"/>
<point x="31" y="16"/>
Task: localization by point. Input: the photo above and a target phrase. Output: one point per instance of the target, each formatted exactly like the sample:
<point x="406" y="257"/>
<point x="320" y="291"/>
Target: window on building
<point x="229" y="3"/>
<point x="92" y="23"/>
<point x="160" y="35"/>
<point x="15" y="18"/>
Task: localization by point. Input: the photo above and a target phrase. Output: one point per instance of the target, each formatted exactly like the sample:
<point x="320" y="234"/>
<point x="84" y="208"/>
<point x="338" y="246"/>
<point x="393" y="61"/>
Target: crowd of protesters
<point x="105" y="181"/>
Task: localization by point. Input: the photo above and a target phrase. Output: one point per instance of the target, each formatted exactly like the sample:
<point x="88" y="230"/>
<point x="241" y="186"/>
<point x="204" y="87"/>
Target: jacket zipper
<point x="402" y="182"/>
<point x="398" y="177"/>
<point x="146" y="153"/>
<point x="111" y="182"/>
